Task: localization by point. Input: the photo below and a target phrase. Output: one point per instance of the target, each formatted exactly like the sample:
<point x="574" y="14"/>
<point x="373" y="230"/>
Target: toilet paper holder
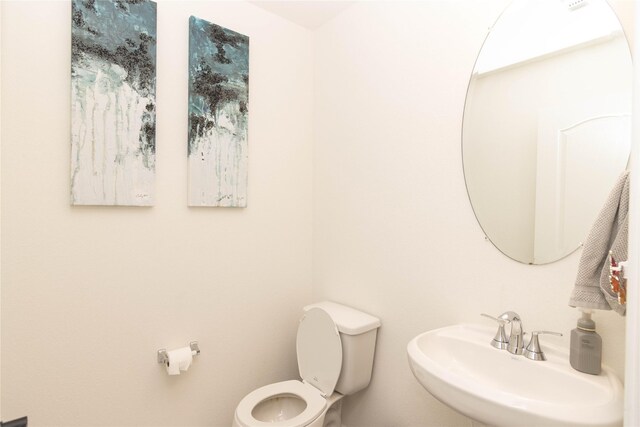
<point x="163" y="357"/>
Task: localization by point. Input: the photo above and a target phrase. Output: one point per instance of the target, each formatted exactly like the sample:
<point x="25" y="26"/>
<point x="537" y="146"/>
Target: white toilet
<point x="335" y="346"/>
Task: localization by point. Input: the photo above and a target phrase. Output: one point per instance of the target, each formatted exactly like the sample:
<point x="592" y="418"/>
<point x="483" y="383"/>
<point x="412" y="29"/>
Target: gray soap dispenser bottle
<point x="586" y="346"/>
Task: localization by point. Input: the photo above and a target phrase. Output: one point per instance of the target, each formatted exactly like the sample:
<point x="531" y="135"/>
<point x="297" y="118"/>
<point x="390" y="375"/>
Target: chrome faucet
<point x="516" y="337"/>
<point x="515" y="344"/>
<point x="500" y="341"/>
<point x="533" y="351"/>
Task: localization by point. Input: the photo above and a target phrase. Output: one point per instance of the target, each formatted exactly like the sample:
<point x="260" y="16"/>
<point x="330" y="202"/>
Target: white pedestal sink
<point x="457" y="365"/>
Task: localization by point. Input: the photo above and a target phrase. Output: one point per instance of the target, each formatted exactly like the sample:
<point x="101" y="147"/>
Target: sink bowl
<point x="457" y="365"/>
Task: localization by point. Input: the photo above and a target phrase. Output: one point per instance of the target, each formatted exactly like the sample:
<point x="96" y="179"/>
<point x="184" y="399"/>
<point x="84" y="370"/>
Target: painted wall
<point x="0" y="216"/>
<point x="394" y="233"/>
<point x="90" y="294"/>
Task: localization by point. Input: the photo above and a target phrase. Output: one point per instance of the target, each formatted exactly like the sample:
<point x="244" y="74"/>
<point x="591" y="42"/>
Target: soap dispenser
<point x="586" y="346"/>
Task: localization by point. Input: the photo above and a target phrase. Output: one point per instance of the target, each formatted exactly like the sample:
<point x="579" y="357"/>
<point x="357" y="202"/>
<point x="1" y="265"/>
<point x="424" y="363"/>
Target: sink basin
<point x="457" y="365"/>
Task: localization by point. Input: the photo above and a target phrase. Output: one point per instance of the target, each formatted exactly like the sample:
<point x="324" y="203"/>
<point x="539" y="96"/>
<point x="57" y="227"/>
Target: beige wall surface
<point x="356" y="194"/>
<point x="0" y="213"/>
<point x="394" y="232"/>
<point x="90" y="293"/>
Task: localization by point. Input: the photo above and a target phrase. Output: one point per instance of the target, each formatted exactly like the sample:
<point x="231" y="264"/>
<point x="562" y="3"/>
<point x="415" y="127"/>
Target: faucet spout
<point x="516" y="336"/>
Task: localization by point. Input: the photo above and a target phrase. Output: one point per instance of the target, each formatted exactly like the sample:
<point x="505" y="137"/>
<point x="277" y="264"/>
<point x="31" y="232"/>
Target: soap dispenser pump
<point x="586" y="346"/>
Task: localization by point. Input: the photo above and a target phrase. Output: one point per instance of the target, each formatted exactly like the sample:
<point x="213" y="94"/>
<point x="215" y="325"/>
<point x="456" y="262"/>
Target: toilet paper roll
<point x="179" y="360"/>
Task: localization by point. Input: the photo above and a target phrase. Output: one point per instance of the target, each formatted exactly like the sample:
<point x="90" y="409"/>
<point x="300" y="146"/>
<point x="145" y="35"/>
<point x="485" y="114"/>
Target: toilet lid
<point x="319" y="350"/>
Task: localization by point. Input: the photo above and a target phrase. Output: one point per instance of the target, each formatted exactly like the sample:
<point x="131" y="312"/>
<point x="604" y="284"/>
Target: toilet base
<point x="333" y="415"/>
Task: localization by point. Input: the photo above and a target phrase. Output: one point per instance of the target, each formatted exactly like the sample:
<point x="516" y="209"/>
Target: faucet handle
<point x="533" y="350"/>
<point x="500" y="321"/>
<point x="500" y="341"/>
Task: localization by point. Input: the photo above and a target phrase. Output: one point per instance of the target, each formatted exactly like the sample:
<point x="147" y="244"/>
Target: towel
<point x="609" y="233"/>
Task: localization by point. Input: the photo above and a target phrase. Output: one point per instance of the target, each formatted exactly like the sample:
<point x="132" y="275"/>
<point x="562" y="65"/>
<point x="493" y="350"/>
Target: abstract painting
<point x="113" y="102"/>
<point x="218" y="115"/>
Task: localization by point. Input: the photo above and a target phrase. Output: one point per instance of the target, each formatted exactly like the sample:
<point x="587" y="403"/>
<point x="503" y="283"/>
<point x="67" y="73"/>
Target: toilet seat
<point x="311" y="396"/>
<point x="319" y="350"/>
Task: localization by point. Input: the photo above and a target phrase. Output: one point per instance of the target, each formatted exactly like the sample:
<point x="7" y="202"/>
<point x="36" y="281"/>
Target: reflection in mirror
<point x="547" y="127"/>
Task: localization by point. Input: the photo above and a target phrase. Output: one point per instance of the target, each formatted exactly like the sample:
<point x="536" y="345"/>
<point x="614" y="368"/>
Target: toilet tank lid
<point x="348" y="320"/>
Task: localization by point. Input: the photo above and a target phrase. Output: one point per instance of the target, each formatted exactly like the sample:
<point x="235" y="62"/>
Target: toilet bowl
<point x="335" y="347"/>
<point x="284" y="404"/>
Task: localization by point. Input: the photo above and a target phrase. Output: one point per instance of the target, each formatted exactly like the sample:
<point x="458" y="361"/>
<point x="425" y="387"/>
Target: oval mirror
<point x="547" y="127"/>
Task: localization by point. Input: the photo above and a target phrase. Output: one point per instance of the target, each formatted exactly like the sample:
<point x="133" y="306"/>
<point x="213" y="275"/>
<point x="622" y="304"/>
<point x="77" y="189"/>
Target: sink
<point x="457" y="365"/>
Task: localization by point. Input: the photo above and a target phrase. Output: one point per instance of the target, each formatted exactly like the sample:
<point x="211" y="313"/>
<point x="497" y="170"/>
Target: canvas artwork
<point x="113" y="102"/>
<point x="218" y="114"/>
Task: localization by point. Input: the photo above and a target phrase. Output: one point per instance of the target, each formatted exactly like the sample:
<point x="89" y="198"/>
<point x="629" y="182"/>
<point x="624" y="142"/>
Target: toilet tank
<point x="358" y="332"/>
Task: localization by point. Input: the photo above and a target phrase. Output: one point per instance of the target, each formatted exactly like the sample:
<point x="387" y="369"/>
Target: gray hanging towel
<point x="609" y="233"/>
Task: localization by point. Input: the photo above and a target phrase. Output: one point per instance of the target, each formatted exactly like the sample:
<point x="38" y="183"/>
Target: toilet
<point x="335" y="346"/>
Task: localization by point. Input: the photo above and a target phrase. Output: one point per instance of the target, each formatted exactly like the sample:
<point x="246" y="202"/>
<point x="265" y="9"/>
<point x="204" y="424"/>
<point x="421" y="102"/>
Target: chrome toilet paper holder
<point x="163" y="357"/>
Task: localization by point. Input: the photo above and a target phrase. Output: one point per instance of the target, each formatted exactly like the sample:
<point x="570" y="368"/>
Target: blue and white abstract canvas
<point x="218" y="115"/>
<point x="113" y="102"/>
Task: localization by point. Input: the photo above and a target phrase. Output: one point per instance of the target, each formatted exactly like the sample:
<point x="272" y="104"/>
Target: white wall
<point x="394" y="233"/>
<point x="0" y="215"/>
<point x="90" y="294"/>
